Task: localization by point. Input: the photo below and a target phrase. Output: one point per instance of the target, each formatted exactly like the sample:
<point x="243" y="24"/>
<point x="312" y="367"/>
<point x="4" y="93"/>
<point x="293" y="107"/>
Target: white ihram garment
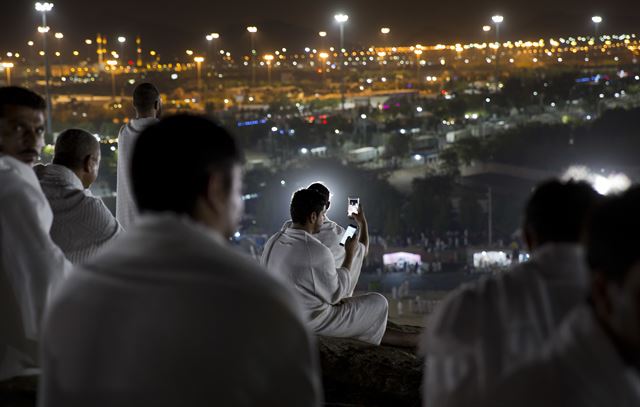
<point x="486" y="329"/>
<point x="330" y="235"/>
<point x="126" y="208"/>
<point x="30" y="266"/>
<point x="307" y="265"/>
<point x="579" y="366"/>
<point x="82" y="224"/>
<point x="169" y="315"/>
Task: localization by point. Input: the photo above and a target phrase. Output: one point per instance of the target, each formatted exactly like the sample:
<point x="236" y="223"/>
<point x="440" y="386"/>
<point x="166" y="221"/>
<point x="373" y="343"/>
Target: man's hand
<point x="351" y="245"/>
<point x="349" y="251"/>
<point x="359" y="217"/>
<point x="363" y="228"/>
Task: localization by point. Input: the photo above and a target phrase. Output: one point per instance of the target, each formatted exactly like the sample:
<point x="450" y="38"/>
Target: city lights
<point x="385" y="30"/>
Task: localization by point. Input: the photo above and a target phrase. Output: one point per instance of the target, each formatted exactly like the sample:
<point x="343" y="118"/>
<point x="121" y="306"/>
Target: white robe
<point x="30" y="266"/>
<point x="330" y="235"/>
<point x="170" y="315"/>
<point x="486" y="329"/>
<point x="579" y="366"/>
<point x="82" y="224"/>
<point x="303" y="262"/>
<point x="126" y="208"/>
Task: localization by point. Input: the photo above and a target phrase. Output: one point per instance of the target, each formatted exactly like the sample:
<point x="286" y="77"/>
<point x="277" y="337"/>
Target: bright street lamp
<point x="122" y="39"/>
<point x="385" y="30"/>
<point x="486" y="28"/>
<point x="252" y="30"/>
<point x="341" y="18"/>
<point x="322" y="34"/>
<point x="59" y="35"/>
<point x="44" y="8"/>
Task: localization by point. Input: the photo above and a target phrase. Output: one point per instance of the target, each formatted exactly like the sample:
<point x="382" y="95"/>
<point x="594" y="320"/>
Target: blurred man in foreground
<point x="30" y="263"/>
<point x="594" y="357"/>
<point x="169" y="314"/>
<point x="488" y="328"/>
<point x="82" y="224"/>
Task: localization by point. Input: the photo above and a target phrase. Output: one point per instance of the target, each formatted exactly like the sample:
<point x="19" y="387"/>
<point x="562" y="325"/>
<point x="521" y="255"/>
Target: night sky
<point x="171" y="27"/>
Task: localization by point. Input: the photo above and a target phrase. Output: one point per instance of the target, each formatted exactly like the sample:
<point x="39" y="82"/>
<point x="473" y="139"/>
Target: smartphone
<point x="353" y="206"/>
<point x="350" y="232"/>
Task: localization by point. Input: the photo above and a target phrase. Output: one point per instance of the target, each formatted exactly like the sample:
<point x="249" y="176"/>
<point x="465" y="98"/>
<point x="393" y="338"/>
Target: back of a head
<point x="145" y="97"/>
<point x="305" y="202"/>
<point x="17" y="96"/>
<point x="613" y="237"/>
<point x="174" y="159"/>
<point x="73" y="146"/>
<point x="557" y="211"/>
<point x="320" y="188"/>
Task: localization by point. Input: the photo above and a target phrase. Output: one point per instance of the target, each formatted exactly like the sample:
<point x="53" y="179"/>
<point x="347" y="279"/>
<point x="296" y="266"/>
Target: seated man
<point x="593" y="357"/>
<point x="330" y="234"/>
<point x="30" y="263"/>
<point x="169" y="314"/>
<point x="487" y="328"/>
<point x="302" y="261"/>
<point x="82" y="224"/>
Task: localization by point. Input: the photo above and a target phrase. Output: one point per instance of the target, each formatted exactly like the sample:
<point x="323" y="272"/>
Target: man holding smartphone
<point x="331" y="233"/>
<point x="301" y="260"/>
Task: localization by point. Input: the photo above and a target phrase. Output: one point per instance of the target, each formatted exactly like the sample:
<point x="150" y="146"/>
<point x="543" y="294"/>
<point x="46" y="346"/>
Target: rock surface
<point x="358" y="374"/>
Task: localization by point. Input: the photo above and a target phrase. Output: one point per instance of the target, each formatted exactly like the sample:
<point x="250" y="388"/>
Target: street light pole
<point x="497" y="19"/>
<point x="112" y="67"/>
<point x="7" y="67"/>
<point x="268" y="59"/>
<point x="596" y="22"/>
<point x="252" y="30"/>
<point x="44" y="8"/>
<point x="341" y="19"/>
<point x="199" y="61"/>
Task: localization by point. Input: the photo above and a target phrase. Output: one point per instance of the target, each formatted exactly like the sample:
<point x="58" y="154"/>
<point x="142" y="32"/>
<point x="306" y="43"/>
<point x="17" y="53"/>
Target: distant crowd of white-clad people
<point x="152" y="307"/>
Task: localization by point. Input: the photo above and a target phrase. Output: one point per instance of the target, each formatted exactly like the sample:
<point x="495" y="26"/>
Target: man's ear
<point x="87" y="163"/>
<point x="216" y="192"/>
<point x="313" y="217"/>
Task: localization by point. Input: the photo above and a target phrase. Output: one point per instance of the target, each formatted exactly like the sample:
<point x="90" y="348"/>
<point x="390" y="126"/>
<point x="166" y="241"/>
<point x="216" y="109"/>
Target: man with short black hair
<point x="302" y="261"/>
<point x="169" y="314"/>
<point x="330" y="234"/>
<point x="82" y="224"/>
<point x="148" y="107"/>
<point x="486" y="329"/>
<point x="30" y="263"/>
<point x="593" y="357"/>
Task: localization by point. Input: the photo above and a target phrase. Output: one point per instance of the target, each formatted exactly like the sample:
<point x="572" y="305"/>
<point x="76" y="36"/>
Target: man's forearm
<point x="364" y="237"/>
<point x="348" y="259"/>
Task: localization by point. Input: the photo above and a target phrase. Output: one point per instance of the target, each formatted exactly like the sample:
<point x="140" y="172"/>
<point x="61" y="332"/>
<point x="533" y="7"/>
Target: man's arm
<point x="34" y="264"/>
<point x="364" y="228"/>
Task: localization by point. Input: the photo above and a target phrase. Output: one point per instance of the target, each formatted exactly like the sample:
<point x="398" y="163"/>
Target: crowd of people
<point x="153" y="307"/>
